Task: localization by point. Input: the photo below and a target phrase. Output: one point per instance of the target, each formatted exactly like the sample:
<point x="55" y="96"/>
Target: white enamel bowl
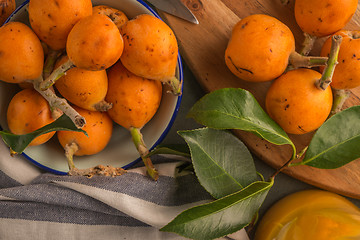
<point x="120" y="152"/>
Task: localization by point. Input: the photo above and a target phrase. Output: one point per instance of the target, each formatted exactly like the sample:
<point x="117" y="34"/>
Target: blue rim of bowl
<point x="162" y="136"/>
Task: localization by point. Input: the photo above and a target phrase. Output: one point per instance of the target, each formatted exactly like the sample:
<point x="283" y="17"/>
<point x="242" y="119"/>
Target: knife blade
<point x="176" y="8"/>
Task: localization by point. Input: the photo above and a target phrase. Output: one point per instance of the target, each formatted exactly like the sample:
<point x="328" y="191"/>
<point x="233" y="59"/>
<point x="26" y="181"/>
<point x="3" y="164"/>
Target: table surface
<point x="283" y="185"/>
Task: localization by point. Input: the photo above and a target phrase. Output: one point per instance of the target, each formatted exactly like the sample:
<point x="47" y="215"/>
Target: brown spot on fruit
<point x="239" y="69"/>
<point x="301" y="129"/>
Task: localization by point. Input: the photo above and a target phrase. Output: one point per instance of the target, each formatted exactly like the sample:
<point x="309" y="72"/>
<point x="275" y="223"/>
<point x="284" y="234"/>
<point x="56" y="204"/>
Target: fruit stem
<point x="102" y="106"/>
<point x="57" y="102"/>
<point x="296" y="60"/>
<point x="99" y="170"/>
<point x="340" y="96"/>
<point x="175" y="85"/>
<point x="55" y="113"/>
<point x="70" y="150"/>
<point x="50" y="62"/>
<point x="143" y="151"/>
<point x="56" y="74"/>
<point x="326" y="77"/>
<point x="307" y="44"/>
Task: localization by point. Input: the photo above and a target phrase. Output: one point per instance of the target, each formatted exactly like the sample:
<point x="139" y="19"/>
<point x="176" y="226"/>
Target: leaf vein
<point x="251" y="122"/>
<point x="214" y="162"/>
<point x="330" y="148"/>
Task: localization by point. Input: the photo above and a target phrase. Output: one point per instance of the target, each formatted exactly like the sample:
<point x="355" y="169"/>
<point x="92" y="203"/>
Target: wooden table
<point x="202" y="47"/>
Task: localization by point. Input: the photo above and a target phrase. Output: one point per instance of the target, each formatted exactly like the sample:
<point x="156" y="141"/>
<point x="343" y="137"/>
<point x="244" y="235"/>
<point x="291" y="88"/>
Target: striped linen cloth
<point x="38" y="205"/>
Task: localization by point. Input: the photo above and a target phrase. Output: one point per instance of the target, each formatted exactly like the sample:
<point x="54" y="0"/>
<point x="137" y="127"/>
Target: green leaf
<point x="173" y="149"/>
<point x="336" y="142"/>
<point x="221" y="161"/>
<point x="232" y="108"/>
<point x="18" y="143"/>
<point x="221" y="217"/>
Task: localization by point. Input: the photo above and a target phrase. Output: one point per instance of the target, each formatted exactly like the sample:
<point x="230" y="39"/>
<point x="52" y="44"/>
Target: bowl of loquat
<point x="113" y="67"/>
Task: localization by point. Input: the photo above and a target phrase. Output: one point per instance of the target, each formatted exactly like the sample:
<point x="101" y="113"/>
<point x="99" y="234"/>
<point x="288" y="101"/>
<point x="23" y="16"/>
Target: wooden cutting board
<point x="202" y="47"/>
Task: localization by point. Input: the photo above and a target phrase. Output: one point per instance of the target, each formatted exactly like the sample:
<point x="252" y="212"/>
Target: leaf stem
<point x="299" y="155"/>
<point x="138" y="140"/>
<point x="281" y="168"/>
<point x="287" y="164"/>
<point x="56" y="74"/>
<point x="253" y="222"/>
<point x="326" y="77"/>
<point x="261" y="176"/>
<point x="57" y="102"/>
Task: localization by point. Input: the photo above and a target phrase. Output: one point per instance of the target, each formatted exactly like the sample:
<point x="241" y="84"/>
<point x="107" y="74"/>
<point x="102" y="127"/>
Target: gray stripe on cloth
<point x="166" y="191"/>
<point x="7" y="182"/>
<point x="56" y="195"/>
<point x="152" y="202"/>
<point x="45" y="212"/>
<point x="148" y="212"/>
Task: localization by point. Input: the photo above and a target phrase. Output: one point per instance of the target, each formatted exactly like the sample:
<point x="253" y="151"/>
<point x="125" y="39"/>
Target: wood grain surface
<point x="202" y="47"/>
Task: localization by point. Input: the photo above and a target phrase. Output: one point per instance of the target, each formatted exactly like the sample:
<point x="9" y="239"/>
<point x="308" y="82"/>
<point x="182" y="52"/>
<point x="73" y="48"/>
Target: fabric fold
<point x="132" y="206"/>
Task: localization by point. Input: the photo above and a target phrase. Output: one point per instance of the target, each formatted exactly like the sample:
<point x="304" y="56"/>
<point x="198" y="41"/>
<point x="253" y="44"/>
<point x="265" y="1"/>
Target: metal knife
<point x="176" y="8"/>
